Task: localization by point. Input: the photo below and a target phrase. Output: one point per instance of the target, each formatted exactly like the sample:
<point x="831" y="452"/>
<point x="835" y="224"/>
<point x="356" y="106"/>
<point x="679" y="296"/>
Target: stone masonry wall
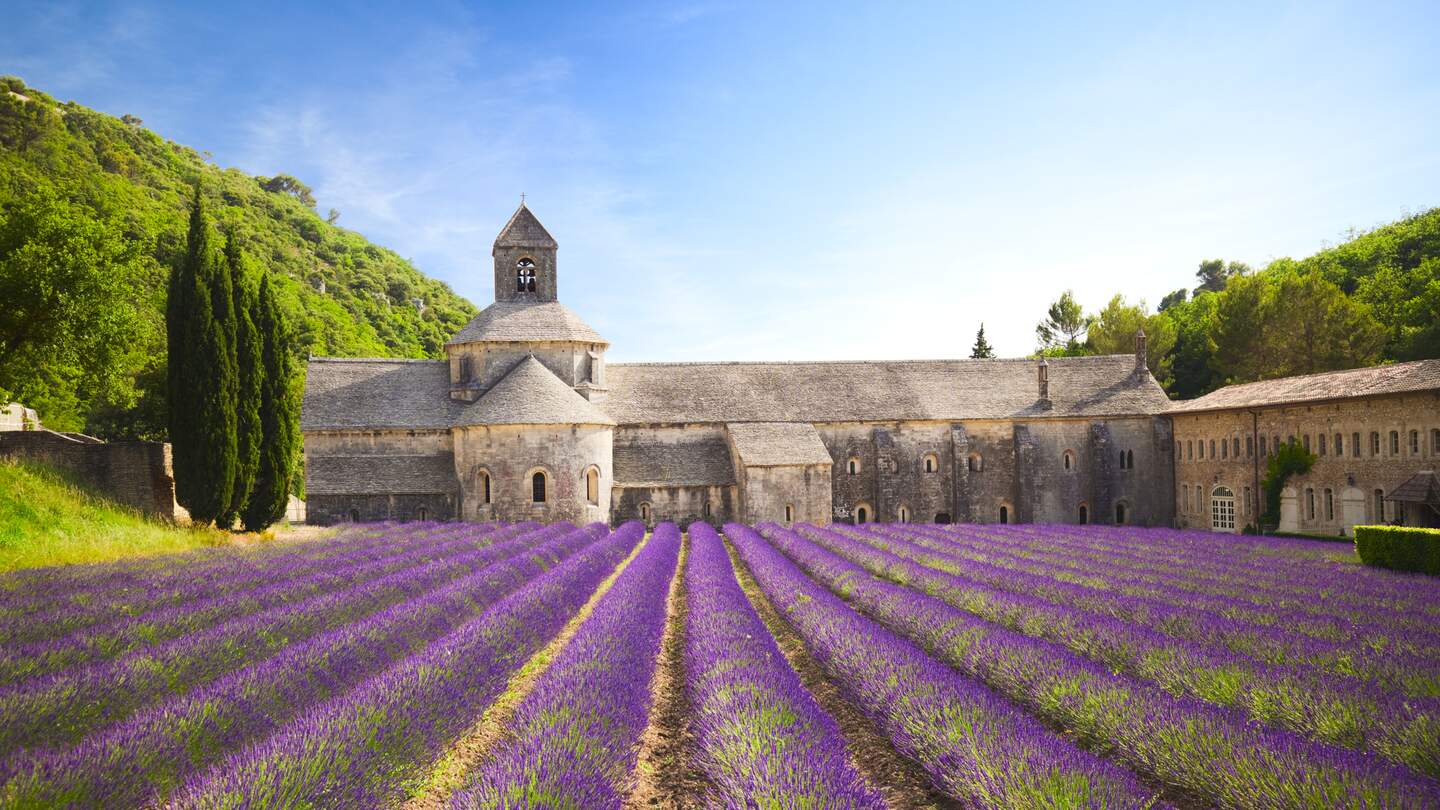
<point x="681" y="505"/>
<point x="137" y="474"/>
<point x="511" y="454"/>
<point x="1352" y="480"/>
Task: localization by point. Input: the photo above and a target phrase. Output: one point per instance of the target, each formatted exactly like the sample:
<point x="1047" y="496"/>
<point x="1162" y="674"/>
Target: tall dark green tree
<point x="202" y="377"/>
<point x="249" y="379"/>
<point x="279" y="414"/>
<point x="982" y="350"/>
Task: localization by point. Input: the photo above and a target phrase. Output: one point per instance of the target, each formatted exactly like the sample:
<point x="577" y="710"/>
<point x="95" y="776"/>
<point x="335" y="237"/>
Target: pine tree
<point x="202" y="376"/>
<point x="249" y="377"/>
<point x="981" y="350"/>
<point x="279" y="415"/>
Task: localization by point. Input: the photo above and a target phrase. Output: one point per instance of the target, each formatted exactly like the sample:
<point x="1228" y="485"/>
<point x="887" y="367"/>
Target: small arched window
<point x="1084" y="514"/>
<point x="1339" y="444"/>
<point x="1129" y="459"/>
<point x="1394" y="442"/>
<point x="645" y="513"/>
<point x="1224" y="449"/>
<point x="354" y="515"/>
<point x="525" y="275"/>
<point x="1069" y="460"/>
<point x="1263" y="451"/>
<point x="975" y="463"/>
<point x="421" y="514"/>
<point x="1120" y="514"/>
<point x="1309" y="503"/>
<point x="706" y="509"/>
<point x="1374" y="442"/>
<point x="852" y="466"/>
<point x="1249" y="446"/>
<point x="1305" y="442"/>
<point x="592" y="486"/>
<point x="1329" y="504"/>
<point x="1004" y="514"/>
<point x="932" y="463"/>
<point x="862" y="514"/>
<point x="789" y="513"/>
<point x="1234" y="447"/>
<point x="903" y="514"/>
<point x="1190" y="450"/>
<point x="537" y="488"/>
<point x="1414" y="442"/>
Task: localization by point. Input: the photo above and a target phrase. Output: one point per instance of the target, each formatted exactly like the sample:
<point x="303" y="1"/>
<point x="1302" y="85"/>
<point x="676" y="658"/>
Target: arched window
<point x="1222" y="509"/>
<point x="975" y="463"/>
<point x="525" y="275"/>
<point x="1202" y="449"/>
<point x="1120" y="514"/>
<point x="1355" y="449"/>
<point x="354" y="515"/>
<point x="1004" y="514"/>
<point x="537" y="487"/>
<point x="932" y="463"/>
<point x="485" y="486"/>
<point x="789" y="513"/>
<point x="903" y="514"/>
<point x="645" y="513"/>
<point x="1129" y="459"/>
<point x="1339" y="444"/>
<point x="862" y="514"/>
<point x="592" y="486"/>
<point x="853" y="466"/>
<point x="1122" y="459"/>
<point x="1249" y="447"/>
<point x="1321" y="440"/>
<point x="1212" y="449"/>
<point x="1190" y="450"/>
<point x="1234" y="448"/>
<point x="1306" y="442"/>
<point x="1379" y="506"/>
<point x="706" y="510"/>
<point x="421" y="514"/>
<point x="1309" y="503"/>
<point x="1329" y="504"/>
<point x="1084" y="514"/>
<point x="1224" y="448"/>
<point x="1374" y="443"/>
<point x="1394" y="442"/>
<point x="1069" y="460"/>
<point x="1414" y="442"/>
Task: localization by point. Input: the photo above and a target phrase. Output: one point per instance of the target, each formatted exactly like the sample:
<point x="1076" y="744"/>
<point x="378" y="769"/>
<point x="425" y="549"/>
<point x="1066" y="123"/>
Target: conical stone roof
<point x="527" y="322"/>
<point x="531" y="395"/>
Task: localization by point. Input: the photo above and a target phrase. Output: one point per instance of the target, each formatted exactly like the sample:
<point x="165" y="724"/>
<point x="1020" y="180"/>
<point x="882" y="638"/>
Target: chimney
<point x="1044" y="372"/>
<point x="1140" y="353"/>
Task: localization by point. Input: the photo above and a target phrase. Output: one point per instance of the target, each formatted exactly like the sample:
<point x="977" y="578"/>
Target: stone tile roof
<point x="380" y="475"/>
<point x="702" y="460"/>
<point x="524" y="230"/>
<point x="937" y="390"/>
<point x="531" y="395"/>
<point x="405" y="394"/>
<point x="1422" y="487"/>
<point x="526" y="321"/>
<point x="1421" y="375"/>
<point x="778" y="444"/>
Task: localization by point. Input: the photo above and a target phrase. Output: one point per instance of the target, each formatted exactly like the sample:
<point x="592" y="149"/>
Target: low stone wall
<point x="325" y="510"/>
<point x="137" y="474"/>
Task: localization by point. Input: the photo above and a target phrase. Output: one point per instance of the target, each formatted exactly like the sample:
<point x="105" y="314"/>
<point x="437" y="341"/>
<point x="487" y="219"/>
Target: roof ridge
<point x="1128" y="358"/>
<point x="315" y="359"/>
<point x="1314" y="374"/>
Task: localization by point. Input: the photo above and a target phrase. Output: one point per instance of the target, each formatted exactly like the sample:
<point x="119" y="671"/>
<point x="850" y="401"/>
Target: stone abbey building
<point x="525" y="420"/>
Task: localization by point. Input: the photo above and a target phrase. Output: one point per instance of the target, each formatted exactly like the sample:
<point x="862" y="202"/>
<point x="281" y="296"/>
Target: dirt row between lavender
<point x="901" y="781"/>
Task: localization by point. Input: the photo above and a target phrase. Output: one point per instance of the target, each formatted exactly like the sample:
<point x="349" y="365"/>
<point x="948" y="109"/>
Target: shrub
<point x="1401" y="548"/>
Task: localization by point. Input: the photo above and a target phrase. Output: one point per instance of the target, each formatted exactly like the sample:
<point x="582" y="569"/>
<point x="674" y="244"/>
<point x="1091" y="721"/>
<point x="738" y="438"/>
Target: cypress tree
<point x="981" y="350"/>
<point x="202" y="376"/>
<point x="279" y="415"/>
<point x="249" y="376"/>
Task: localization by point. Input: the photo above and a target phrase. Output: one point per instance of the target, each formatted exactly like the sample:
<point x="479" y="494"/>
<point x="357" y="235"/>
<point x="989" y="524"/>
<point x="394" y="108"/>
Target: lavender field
<point x="430" y="665"/>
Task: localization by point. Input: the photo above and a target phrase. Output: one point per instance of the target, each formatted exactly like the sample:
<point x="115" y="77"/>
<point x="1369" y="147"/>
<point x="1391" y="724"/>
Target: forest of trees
<point x="1373" y="299"/>
<point x="94" y="212"/>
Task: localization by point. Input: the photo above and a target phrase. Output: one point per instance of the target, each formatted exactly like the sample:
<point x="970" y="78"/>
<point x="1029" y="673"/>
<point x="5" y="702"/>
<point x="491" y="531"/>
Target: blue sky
<point x="795" y="181"/>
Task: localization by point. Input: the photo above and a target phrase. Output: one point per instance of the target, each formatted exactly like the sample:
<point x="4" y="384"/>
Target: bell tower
<point x="524" y="254"/>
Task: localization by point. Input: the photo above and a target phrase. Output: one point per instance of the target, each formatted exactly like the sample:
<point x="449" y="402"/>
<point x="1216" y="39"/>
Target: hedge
<point x="1401" y="548"/>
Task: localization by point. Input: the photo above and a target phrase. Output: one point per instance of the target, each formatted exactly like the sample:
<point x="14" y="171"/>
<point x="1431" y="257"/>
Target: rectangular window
<point x="1321" y="439"/>
<point x="1249" y="447"/>
<point x="1339" y="444"/>
<point x="1224" y="449"/>
<point x="1309" y="504"/>
<point x="1394" y="442"/>
<point x="1235" y="446"/>
<point x="1189" y="450"/>
<point x="1414" y="442"/>
<point x="1306" y="443"/>
<point x="1263" y="452"/>
<point x="1247" y="500"/>
<point x="1202" y="449"/>
<point x="1374" y="443"/>
<point x="1329" y="505"/>
<point x="1212" y="449"/>
<point x="1355" y="445"/>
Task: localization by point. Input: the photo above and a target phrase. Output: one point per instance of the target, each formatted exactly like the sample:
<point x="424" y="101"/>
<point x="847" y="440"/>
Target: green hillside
<point x="47" y="520"/>
<point x="344" y="296"/>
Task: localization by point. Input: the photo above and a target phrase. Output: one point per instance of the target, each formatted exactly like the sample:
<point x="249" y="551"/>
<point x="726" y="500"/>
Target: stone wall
<point x="490" y="361"/>
<point x="137" y="474"/>
<point x="680" y="504"/>
<point x="510" y="454"/>
<point x="765" y="492"/>
<point x="324" y="510"/>
<point x="1351" y="480"/>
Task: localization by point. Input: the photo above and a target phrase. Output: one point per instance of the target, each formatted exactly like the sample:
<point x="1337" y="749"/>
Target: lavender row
<point x="147" y="757"/>
<point x="974" y="745"/>
<point x="1211" y="754"/>
<point x="1227" y="559"/>
<point x="574" y="739"/>
<point x="763" y="740"/>
<point x="1332" y="709"/>
<point x="361" y="748"/>
<point x="61" y="708"/>
<point x="35" y="589"/>
<point x="1314" y="615"/>
<point x="102" y="642"/>
<point x="1393" y="665"/>
<point x="107" y="614"/>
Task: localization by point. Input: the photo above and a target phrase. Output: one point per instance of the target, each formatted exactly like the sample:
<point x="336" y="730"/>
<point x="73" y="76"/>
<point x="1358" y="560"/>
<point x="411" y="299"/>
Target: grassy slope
<point x="46" y="520"/>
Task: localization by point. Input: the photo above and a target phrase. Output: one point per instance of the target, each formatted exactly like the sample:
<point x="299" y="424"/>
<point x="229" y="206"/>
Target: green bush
<point x="1401" y="548"/>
